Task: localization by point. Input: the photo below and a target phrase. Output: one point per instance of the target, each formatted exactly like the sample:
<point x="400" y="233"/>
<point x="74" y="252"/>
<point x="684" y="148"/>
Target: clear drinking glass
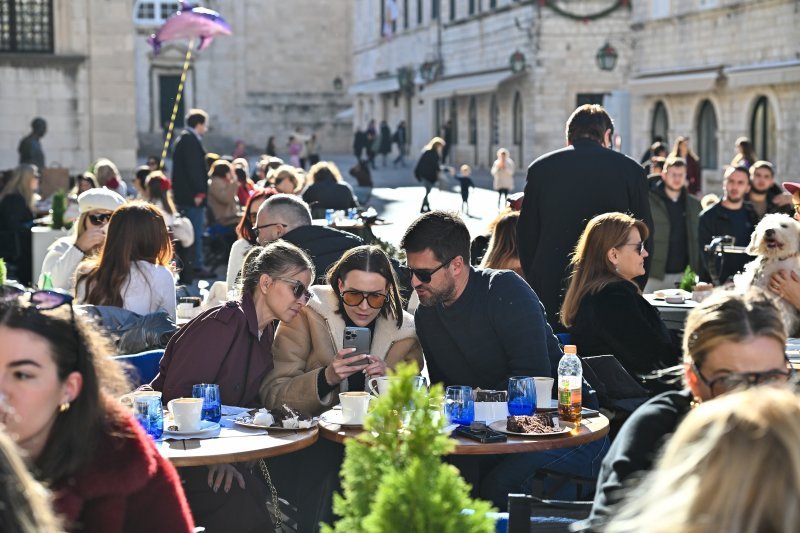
<point x="458" y="405"/>
<point x="521" y="396"/>
<point x="150" y="414"/>
<point x="212" y="406"/>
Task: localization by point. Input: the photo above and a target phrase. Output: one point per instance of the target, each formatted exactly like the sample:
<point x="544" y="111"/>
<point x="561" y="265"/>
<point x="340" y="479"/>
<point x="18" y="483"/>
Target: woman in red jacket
<point x="58" y="394"/>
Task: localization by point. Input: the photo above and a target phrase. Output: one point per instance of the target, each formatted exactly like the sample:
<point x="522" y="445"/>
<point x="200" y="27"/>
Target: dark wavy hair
<point x="76" y="346"/>
<point x="136" y="232"/>
<point x="368" y="259"/>
<point x="245" y="228"/>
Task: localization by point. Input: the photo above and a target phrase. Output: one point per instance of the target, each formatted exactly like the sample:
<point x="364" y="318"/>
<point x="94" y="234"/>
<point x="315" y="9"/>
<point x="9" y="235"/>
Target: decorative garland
<point x="553" y="4"/>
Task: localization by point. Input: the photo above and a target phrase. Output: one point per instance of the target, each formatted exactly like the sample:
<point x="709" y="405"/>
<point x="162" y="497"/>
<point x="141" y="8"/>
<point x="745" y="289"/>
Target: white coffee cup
<point x="544" y="391"/>
<point x="185" y="310"/>
<point x="354" y="406"/>
<point x="128" y="399"/>
<point x="186" y="412"/>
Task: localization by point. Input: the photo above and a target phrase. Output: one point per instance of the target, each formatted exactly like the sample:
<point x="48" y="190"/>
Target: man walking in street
<point x="676" y="218"/>
<point x="30" y="147"/>
<point x="767" y="196"/>
<point x="190" y="182"/>
<point x="565" y="189"/>
<point x="399" y="138"/>
<point x="730" y="216"/>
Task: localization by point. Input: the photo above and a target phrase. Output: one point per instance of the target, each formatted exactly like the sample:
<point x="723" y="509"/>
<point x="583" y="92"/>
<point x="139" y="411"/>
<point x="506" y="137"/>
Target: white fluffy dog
<point x="776" y="243"/>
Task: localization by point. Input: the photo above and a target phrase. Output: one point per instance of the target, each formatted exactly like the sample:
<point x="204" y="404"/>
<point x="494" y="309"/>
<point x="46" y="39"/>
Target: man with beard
<point x="675" y="216"/>
<point x="766" y="195"/>
<point x="478" y="327"/>
<point x="730" y="216"/>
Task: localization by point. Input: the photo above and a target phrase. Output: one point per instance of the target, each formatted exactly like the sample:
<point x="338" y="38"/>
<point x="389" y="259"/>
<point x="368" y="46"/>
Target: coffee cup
<point x="186" y="412"/>
<point x="354" y="406"/>
<point x="544" y="391"/>
<point x="128" y="399"/>
<point x="185" y="310"/>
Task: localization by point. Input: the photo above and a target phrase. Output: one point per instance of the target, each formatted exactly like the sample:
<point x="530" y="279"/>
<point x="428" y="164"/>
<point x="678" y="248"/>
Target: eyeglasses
<point x="256" y="228"/>
<point x="98" y="219"/>
<point x="639" y="245"/>
<point x="299" y="289"/>
<point x="425" y="275"/>
<point x="353" y="298"/>
<point x="743" y="380"/>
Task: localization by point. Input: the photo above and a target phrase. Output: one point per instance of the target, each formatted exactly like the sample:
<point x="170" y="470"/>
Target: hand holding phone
<point x="358" y="338"/>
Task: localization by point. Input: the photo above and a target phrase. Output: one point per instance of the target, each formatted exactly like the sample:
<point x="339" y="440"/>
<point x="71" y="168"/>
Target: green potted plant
<point x="393" y="473"/>
<point x="689" y="280"/>
<point x="3" y="271"/>
<point x="59" y="207"/>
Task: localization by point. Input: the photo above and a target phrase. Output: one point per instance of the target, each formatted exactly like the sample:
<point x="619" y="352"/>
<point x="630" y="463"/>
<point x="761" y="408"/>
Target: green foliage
<point x="2" y="271"/>
<point x="59" y="208"/>
<point x="393" y="473"/>
<point x="689" y="280"/>
<point x="390" y="249"/>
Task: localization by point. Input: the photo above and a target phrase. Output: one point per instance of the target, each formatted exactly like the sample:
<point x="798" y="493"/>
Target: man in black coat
<point x="287" y="217"/>
<point x="565" y="189"/>
<point x="190" y="179"/>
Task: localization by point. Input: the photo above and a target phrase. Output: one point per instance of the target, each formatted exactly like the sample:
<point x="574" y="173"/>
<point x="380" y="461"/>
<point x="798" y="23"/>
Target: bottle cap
<point x="571" y="348"/>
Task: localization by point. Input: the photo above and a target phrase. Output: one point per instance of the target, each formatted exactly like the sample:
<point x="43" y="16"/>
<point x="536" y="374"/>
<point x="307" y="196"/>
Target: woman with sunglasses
<point x="86" y="239"/>
<point x="285" y="179"/>
<point x="311" y="367"/>
<point x="231" y="345"/>
<point x="132" y="270"/>
<point x="59" y="390"/>
<point x="731" y="341"/>
<point x="247" y="235"/>
<point x="604" y="310"/>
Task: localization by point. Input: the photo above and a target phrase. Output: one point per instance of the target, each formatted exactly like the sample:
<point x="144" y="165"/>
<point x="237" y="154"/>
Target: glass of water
<point x="212" y="406"/>
<point x="150" y="414"/>
<point x="459" y="405"/>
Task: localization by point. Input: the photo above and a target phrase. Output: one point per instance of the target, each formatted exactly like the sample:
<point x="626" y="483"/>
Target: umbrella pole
<point x="171" y="126"/>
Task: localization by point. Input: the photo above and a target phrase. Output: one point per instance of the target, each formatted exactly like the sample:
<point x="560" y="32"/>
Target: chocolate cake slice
<point x="530" y="424"/>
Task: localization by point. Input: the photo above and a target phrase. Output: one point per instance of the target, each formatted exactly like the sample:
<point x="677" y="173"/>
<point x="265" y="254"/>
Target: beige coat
<point x="311" y="340"/>
<point x="222" y="201"/>
<point x="503" y="177"/>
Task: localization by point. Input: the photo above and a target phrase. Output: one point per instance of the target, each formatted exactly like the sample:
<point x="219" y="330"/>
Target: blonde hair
<point x="285" y="172"/>
<point x="729" y="317"/>
<point x="323" y="170"/>
<point x="503" y="252"/>
<point x="105" y="169"/>
<point x="21" y="183"/>
<point x="733" y="465"/>
<point x="434" y="142"/>
<point x="591" y="269"/>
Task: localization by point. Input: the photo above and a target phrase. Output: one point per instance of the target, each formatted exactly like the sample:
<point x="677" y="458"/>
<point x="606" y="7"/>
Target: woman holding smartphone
<point x="311" y="365"/>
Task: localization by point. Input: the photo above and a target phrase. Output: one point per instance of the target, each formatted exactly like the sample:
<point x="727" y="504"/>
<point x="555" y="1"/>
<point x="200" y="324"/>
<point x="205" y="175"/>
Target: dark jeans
<point x="426" y="206"/>
<point x="197" y="216"/>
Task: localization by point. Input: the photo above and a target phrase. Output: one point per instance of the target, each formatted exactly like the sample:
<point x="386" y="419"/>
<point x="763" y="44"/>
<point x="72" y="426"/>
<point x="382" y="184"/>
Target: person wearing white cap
<point x="87" y="237"/>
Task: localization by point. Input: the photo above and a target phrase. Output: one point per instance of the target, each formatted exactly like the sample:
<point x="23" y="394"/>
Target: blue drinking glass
<point x="150" y="414"/>
<point x="521" y="396"/>
<point x="459" y="406"/>
<point x="212" y="406"/>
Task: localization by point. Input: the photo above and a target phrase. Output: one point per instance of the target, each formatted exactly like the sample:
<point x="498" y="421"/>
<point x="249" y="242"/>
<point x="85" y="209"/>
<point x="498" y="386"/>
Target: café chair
<point x="528" y="513"/>
<point x="142" y="367"/>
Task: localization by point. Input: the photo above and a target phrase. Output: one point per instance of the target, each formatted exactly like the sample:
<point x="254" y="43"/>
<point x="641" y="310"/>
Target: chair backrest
<point x="143" y="366"/>
<point x="564" y="338"/>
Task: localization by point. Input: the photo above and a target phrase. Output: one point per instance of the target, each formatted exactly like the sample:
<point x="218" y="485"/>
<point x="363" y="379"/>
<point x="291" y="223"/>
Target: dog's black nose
<point x="769" y="233"/>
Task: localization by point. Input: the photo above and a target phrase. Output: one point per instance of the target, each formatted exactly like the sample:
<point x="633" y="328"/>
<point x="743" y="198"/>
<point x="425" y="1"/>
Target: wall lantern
<point x="517" y="61"/>
<point x="338" y="83"/>
<point x="607" y="57"/>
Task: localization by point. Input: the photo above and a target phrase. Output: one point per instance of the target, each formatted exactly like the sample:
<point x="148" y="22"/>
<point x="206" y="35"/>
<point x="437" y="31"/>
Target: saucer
<point x="206" y="428"/>
<point x="335" y="417"/>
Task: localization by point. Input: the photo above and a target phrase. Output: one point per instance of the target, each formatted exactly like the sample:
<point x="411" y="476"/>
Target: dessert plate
<point x="500" y="425"/>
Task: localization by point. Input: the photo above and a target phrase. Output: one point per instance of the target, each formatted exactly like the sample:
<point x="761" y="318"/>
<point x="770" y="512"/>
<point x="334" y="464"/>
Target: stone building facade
<point x="285" y="66"/>
<point x="710" y="69"/>
<point x="72" y="64"/>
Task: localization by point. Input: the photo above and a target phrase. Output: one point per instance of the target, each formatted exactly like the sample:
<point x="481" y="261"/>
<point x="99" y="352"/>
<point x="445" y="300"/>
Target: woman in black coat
<point x="17" y="201"/>
<point x="604" y="310"/>
<point x="327" y="189"/>
<point x="427" y="169"/>
<point x="385" y="147"/>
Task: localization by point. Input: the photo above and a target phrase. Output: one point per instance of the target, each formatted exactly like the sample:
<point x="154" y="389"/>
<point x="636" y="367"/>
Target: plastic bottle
<point x="47" y="281"/>
<point x="570" y="380"/>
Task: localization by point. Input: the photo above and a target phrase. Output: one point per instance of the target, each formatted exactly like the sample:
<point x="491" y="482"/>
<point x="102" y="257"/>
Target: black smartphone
<point x="484" y="435"/>
<point x="358" y="338"/>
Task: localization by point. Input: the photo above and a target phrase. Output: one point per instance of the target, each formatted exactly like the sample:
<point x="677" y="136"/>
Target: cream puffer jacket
<point x="310" y="341"/>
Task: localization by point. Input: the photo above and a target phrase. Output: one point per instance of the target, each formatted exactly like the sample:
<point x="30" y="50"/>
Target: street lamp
<point x="607" y="57"/>
<point x="517" y="61"/>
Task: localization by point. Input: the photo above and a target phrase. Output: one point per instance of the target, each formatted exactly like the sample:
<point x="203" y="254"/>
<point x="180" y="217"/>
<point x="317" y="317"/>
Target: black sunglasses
<point x="98" y="219"/>
<point x="425" y="275"/>
<point x="743" y="380"/>
<point x="639" y="245"/>
<point x="299" y="289"/>
<point x="256" y="228"/>
<point x="353" y="298"/>
<point x="41" y="300"/>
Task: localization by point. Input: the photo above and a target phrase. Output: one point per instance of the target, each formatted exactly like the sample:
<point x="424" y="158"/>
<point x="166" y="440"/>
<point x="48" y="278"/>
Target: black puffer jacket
<point x="324" y="245"/>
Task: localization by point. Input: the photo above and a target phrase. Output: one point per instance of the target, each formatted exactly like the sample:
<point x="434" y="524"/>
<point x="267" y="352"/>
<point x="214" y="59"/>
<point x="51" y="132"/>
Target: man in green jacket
<point x="675" y="217"/>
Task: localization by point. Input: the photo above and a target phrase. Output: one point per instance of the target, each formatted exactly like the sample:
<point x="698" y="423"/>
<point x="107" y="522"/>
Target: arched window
<point x="473" y="122"/>
<point x="494" y="122"/>
<point x="762" y="129"/>
<point x="453" y="120"/>
<point x="517" y="120"/>
<point x="660" y="125"/>
<point x="707" y="135"/>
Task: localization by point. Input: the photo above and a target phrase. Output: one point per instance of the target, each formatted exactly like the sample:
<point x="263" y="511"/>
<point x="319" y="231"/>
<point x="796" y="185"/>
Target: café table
<point x="197" y="452"/>
<point x="673" y="315"/>
<point x="591" y="429"/>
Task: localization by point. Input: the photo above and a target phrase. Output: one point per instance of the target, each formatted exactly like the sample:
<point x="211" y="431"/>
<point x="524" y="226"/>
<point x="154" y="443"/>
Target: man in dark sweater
<point x="478" y="328"/>
<point x="287" y="217"/>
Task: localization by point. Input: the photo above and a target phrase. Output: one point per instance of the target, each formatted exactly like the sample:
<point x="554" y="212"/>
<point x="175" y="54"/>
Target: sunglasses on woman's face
<point x="41" y="300"/>
<point x="354" y="298"/>
<point x="99" y="219"/>
<point x="299" y="289"/>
